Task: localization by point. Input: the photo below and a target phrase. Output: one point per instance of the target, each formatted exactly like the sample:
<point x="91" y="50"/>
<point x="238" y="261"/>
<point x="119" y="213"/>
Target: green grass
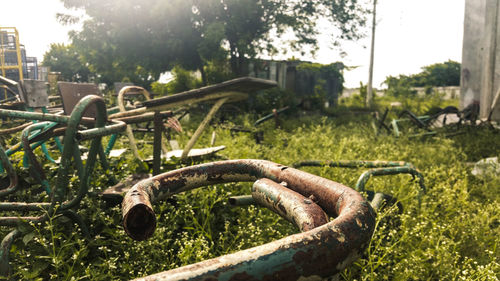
<point x="453" y="235"/>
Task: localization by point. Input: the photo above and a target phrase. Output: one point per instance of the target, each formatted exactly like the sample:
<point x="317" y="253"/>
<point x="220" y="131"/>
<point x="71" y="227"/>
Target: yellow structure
<point x="10" y="54"/>
<point x="9" y="43"/>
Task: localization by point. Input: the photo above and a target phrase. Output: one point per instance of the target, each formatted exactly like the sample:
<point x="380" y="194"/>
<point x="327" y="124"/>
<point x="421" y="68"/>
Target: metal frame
<point x="377" y="168"/>
<point x="60" y="203"/>
<point x="232" y="90"/>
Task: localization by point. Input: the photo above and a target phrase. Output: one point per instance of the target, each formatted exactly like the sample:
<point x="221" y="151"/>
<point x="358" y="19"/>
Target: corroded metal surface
<point x="292" y="206"/>
<point x="322" y="251"/>
<point x="71" y="93"/>
<point x="12" y="130"/>
<point x="61" y="203"/>
<point x="229" y="88"/>
<point x="35" y="93"/>
<point x="13" y="179"/>
<point x="352" y="164"/>
<point x="380" y="168"/>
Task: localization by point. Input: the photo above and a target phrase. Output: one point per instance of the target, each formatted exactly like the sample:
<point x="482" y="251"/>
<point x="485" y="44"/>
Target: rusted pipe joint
<point x="322" y="251"/>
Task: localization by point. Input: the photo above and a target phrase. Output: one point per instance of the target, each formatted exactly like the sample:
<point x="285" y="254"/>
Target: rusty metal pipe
<point x="322" y="251"/>
<point x="290" y="205"/>
<point x="241" y="200"/>
<point x="13" y="179"/>
<point x="16" y="129"/>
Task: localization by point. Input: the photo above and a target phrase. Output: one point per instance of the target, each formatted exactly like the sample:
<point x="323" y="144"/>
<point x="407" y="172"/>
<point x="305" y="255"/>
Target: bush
<point x="184" y="80"/>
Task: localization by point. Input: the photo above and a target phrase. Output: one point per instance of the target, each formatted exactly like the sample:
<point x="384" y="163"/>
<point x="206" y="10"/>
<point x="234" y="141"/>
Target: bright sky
<point x="410" y="34"/>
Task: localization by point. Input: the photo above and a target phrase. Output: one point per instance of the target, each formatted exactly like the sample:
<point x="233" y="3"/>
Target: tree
<point x="434" y="75"/>
<point x="65" y="59"/>
<point x="158" y="35"/>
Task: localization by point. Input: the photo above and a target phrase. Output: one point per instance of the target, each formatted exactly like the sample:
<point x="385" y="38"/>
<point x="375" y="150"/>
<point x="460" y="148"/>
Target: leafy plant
<point x="451" y="235"/>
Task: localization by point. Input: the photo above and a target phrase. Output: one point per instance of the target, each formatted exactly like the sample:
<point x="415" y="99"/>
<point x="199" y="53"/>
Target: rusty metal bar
<point x="271" y="115"/>
<point x="26" y="115"/>
<point x="128" y="120"/>
<point x="351" y="164"/>
<point x="5" y="250"/>
<point x="13" y="179"/>
<point x="380" y="168"/>
<point x="16" y="129"/>
<point x="121" y="106"/>
<point x="202" y="126"/>
<point x="130" y="134"/>
<point x="22" y="206"/>
<point x="322" y="251"/>
<point x="360" y="184"/>
<point x="115" y="128"/>
<point x="241" y="200"/>
<point x="158" y="131"/>
<point x="289" y="204"/>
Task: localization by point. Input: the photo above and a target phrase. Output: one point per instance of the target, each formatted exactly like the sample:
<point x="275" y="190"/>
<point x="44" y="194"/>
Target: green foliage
<point x="66" y="59"/>
<point x="326" y="79"/>
<point x="434" y="75"/>
<point x="269" y="99"/>
<point x="184" y="80"/>
<point x="451" y="235"/>
<point x="192" y="33"/>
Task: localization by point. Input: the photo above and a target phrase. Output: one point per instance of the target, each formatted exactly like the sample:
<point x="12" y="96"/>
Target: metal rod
<point x="242" y="200"/>
<point x="202" y="126"/>
<point x="158" y="131"/>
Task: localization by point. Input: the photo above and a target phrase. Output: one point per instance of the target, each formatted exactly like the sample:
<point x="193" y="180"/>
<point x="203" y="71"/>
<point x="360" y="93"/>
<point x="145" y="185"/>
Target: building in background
<point x="305" y="79"/>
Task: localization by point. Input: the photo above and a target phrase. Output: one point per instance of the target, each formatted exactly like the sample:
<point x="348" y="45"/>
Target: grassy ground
<point x="453" y="234"/>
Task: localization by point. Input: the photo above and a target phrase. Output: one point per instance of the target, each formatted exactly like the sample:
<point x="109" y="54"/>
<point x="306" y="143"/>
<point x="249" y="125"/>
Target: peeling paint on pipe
<point x="322" y="251"/>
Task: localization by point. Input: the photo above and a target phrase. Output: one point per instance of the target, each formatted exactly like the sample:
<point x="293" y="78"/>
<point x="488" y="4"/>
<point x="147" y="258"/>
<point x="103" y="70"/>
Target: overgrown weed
<point x="452" y="235"/>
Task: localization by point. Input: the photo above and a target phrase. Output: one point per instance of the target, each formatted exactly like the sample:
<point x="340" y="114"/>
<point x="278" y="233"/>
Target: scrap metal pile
<point x="323" y="248"/>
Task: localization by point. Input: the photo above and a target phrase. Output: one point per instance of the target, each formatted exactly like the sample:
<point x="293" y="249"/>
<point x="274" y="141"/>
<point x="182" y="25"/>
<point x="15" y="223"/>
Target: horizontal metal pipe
<point x="363" y="179"/>
<point x="242" y="200"/>
<point x="19" y="114"/>
<point x="290" y="205"/>
<point x="145" y="117"/>
<point x="269" y="116"/>
<point x="14" y="221"/>
<point x="118" y="127"/>
<point x="22" y="206"/>
<point x="16" y="129"/>
<point x="352" y="164"/>
<point x="322" y="251"/>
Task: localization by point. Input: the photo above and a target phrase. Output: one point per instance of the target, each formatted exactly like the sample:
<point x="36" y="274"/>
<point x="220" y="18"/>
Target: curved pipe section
<point x="121" y="106"/>
<point x="290" y="205"/>
<point x="13" y="179"/>
<point x="322" y="251"/>
<point x="130" y="133"/>
<point x="69" y="146"/>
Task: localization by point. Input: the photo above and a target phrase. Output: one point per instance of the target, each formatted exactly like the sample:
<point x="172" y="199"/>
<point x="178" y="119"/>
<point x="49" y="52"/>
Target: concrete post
<point x="480" y="78"/>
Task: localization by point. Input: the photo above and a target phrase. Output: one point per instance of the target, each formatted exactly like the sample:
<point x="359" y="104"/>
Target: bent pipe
<point x="381" y="168"/>
<point x="360" y="185"/>
<point x="130" y="133"/>
<point x="322" y="251"/>
<point x="13" y="179"/>
<point x="290" y="205"/>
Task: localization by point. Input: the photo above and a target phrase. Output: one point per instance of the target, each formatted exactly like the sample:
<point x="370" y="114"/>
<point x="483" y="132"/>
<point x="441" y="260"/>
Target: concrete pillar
<point x="480" y="79"/>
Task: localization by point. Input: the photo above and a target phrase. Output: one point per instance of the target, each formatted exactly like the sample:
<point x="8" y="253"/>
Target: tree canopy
<point x="65" y="59"/>
<point x="148" y="37"/>
<point x="434" y="75"/>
